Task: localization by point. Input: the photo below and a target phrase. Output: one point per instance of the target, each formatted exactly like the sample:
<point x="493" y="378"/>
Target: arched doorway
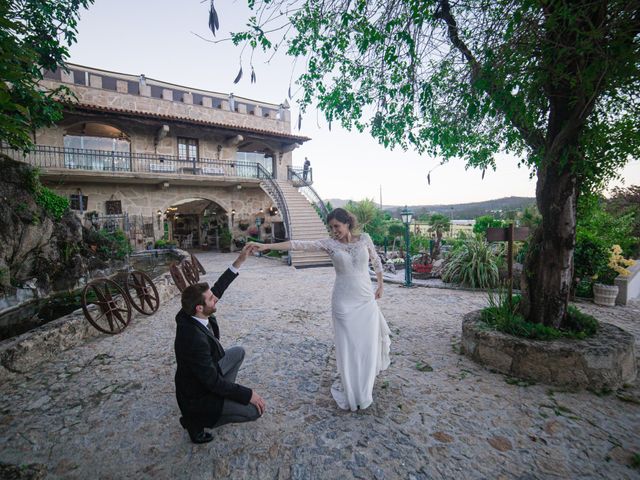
<point x="197" y="223"/>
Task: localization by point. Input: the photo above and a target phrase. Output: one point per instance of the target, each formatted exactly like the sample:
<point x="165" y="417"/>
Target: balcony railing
<point x="47" y="157"/>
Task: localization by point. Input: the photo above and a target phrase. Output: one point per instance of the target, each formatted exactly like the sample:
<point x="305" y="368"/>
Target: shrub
<point x="502" y="317"/>
<point x="53" y="203"/>
<point x="474" y="264"/>
<point x="113" y="244"/>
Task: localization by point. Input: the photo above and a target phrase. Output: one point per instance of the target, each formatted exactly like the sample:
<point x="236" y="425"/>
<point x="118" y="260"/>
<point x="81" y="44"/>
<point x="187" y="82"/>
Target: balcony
<point x="99" y="163"/>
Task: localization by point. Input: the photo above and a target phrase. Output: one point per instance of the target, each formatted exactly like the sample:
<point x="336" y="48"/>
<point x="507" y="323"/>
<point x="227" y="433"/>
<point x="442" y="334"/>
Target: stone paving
<point x="107" y="409"/>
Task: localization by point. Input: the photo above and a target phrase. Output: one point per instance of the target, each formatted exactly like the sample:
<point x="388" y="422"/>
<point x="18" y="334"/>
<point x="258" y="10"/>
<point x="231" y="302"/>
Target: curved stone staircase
<point x="305" y="224"/>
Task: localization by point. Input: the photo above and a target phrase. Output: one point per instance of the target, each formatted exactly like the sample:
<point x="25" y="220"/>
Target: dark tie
<point x="210" y="328"/>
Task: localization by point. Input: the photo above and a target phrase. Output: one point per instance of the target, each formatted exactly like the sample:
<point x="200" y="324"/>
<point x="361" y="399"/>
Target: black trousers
<point x="232" y="411"/>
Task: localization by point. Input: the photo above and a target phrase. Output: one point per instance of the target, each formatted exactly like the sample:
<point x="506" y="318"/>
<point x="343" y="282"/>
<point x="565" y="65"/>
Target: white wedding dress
<point x="360" y="330"/>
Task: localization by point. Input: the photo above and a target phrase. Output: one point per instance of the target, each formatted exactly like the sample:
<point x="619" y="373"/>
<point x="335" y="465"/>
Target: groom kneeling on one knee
<point x="205" y="377"/>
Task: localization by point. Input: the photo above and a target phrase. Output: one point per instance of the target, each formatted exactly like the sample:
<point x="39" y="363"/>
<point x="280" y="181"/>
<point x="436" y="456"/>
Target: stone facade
<point x="605" y="361"/>
<point x="153" y="116"/>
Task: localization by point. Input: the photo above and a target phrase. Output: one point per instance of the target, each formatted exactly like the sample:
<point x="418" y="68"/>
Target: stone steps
<point x="305" y="225"/>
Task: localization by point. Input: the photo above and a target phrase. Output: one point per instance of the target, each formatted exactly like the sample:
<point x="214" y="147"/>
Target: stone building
<point x="166" y="161"/>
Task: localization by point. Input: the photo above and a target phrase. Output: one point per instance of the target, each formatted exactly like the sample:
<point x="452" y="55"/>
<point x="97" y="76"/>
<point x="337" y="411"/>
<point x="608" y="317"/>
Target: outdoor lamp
<point x="407" y="216"/>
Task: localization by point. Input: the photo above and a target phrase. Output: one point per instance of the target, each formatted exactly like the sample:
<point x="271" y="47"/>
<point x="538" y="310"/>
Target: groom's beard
<point x="209" y="311"/>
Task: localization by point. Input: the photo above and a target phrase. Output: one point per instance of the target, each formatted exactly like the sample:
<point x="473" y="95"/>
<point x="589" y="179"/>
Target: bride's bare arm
<point x="261" y="247"/>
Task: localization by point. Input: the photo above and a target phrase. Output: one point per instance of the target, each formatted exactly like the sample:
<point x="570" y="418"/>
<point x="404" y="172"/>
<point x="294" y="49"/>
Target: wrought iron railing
<point x="307" y="190"/>
<point x="47" y="157"/>
<point x="305" y="175"/>
<point x="276" y="194"/>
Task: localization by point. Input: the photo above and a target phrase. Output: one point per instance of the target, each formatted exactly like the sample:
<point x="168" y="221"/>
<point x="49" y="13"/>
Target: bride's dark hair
<point x="343" y="216"/>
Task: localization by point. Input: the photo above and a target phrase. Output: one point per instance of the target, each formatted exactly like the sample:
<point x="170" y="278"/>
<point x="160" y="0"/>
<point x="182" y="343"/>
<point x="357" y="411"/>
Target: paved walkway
<point x="107" y="409"/>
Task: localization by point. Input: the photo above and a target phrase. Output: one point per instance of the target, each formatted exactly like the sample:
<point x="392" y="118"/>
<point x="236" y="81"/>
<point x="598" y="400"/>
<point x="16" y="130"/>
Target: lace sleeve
<point x="311" y="245"/>
<point x="373" y="255"/>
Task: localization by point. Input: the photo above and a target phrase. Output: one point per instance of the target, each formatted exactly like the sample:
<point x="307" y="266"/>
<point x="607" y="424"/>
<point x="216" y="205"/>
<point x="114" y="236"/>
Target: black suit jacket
<point x="200" y="386"/>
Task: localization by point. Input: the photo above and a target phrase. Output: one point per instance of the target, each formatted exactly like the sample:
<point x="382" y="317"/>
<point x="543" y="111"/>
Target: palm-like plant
<point x="474" y="264"/>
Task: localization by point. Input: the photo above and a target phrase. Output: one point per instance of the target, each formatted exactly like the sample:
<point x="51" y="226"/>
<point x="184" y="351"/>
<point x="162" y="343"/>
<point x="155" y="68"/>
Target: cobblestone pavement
<point x="107" y="409"/>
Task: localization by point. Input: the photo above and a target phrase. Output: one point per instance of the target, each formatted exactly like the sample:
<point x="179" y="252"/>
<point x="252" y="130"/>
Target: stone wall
<point x="605" y="361"/>
<point x="147" y="199"/>
<point x="25" y="352"/>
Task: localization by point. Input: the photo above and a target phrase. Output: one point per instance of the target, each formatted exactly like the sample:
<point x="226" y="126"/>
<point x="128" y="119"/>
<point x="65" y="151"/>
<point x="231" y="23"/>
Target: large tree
<point x="34" y="36"/>
<point x="554" y="83"/>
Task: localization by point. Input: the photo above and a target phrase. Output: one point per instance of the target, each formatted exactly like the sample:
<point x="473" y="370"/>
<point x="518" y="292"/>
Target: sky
<point x="158" y="38"/>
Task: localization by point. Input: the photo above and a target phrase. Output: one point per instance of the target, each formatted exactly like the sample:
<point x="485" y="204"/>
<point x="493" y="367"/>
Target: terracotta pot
<point x="605" y="294"/>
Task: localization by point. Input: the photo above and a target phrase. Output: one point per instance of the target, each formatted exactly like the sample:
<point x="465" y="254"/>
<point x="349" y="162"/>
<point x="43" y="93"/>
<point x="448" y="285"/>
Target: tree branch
<point x="533" y="137"/>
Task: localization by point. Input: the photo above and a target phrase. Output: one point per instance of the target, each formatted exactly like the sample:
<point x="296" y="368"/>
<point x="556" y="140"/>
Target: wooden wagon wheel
<point x="177" y="276"/>
<point x="114" y="310"/>
<point x="143" y="294"/>
<point x="190" y="272"/>
<point x="196" y="262"/>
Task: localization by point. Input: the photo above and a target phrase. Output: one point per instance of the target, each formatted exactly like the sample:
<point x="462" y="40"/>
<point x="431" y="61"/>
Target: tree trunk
<point x="546" y="284"/>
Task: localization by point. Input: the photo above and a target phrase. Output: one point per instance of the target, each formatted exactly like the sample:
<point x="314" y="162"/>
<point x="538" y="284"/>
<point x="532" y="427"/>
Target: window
<point x="247" y="160"/>
<point x="113" y="207"/>
<point x="188" y="149"/>
<point x="96" y="146"/>
<point x="74" y="201"/>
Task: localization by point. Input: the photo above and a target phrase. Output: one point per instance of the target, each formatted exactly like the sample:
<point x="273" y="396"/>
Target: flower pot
<point x="605" y="294"/>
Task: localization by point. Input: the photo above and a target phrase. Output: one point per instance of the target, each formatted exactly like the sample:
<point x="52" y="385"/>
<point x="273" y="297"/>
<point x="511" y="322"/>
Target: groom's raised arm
<point x="231" y="273"/>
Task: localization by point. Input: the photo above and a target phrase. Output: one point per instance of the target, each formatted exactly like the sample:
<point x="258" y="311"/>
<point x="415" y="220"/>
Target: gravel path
<point x="107" y="409"/>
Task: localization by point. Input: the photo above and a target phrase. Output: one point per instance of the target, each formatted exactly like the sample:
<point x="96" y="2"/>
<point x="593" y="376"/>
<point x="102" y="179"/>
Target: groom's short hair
<point x="192" y="296"/>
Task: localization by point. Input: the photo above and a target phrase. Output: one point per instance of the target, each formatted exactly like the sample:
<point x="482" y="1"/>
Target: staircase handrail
<point x="277" y="195"/>
<point x="310" y="193"/>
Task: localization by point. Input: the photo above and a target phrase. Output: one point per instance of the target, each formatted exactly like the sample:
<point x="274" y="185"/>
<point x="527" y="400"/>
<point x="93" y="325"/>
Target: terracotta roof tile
<point x="287" y="136"/>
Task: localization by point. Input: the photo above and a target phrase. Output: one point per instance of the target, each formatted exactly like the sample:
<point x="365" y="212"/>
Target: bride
<point x="360" y="331"/>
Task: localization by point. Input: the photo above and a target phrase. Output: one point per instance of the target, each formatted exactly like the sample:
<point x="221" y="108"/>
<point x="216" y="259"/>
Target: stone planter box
<point x="606" y="360"/>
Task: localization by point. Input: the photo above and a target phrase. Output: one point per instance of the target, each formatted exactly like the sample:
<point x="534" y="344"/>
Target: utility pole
<point x="380" y="196"/>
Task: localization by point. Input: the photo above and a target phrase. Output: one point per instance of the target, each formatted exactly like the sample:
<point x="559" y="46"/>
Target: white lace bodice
<point x="347" y="258"/>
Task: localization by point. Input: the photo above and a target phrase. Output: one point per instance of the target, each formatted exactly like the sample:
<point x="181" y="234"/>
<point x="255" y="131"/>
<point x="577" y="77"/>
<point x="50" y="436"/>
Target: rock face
<point x="32" y="243"/>
<point x="606" y="360"/>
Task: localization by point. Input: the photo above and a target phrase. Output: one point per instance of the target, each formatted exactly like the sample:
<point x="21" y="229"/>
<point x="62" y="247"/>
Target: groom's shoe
<point x="197" y="436"/>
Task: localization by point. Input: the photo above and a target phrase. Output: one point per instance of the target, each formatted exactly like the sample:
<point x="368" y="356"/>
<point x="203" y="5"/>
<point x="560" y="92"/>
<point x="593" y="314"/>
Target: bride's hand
<point x="259" y="247"/>
<point x="379" y="292"/>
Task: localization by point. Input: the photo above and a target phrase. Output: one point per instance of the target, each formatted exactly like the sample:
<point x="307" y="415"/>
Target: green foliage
<point x="53" y="203"/>
<point x="614" y="228"/>
<point x="484" y="222"/>
<point x="34" y="36"/>
<point x="439" y="223"/>
<point x="530" y="217"/>
<point x="474" y="263"/>
<point x="225" y="238"/>
<point x="626" y="201"/>
<point x="505" y="318"/>
<point x="112" y="244"/>
<point x="162" y="243"/>
<point x="597" y="231"/>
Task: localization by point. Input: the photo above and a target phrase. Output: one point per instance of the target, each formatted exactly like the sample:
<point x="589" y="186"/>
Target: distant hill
<point x="460" y="211"/>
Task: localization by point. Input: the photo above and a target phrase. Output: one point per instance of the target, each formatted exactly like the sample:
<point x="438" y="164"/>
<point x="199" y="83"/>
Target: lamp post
<point x="407" y="216"/>
<point x="258" y="223"/>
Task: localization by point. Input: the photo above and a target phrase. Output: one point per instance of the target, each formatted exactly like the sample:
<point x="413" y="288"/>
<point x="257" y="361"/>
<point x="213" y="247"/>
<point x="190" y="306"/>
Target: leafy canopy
<point x="34" y="36"/>
<point x="469" y="79"/>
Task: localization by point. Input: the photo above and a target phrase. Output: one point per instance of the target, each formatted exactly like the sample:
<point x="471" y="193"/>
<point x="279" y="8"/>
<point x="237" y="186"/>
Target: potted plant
<point x="253" y="231"/>
<point x="604" y="290"/>
<point x="243" y="226"/>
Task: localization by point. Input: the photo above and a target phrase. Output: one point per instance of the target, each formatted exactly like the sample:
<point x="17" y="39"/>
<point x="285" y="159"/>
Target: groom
<point x="205" y="377"/>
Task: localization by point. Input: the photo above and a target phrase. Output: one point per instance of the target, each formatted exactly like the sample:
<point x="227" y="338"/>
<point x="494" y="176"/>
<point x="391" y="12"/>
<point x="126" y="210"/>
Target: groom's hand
<point x="259" y="247"/>
<point x="258" y="402"/>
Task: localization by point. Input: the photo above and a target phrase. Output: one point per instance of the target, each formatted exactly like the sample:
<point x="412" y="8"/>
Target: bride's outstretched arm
<point x="261" y="247"/>
<point x="309" y="245"/>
